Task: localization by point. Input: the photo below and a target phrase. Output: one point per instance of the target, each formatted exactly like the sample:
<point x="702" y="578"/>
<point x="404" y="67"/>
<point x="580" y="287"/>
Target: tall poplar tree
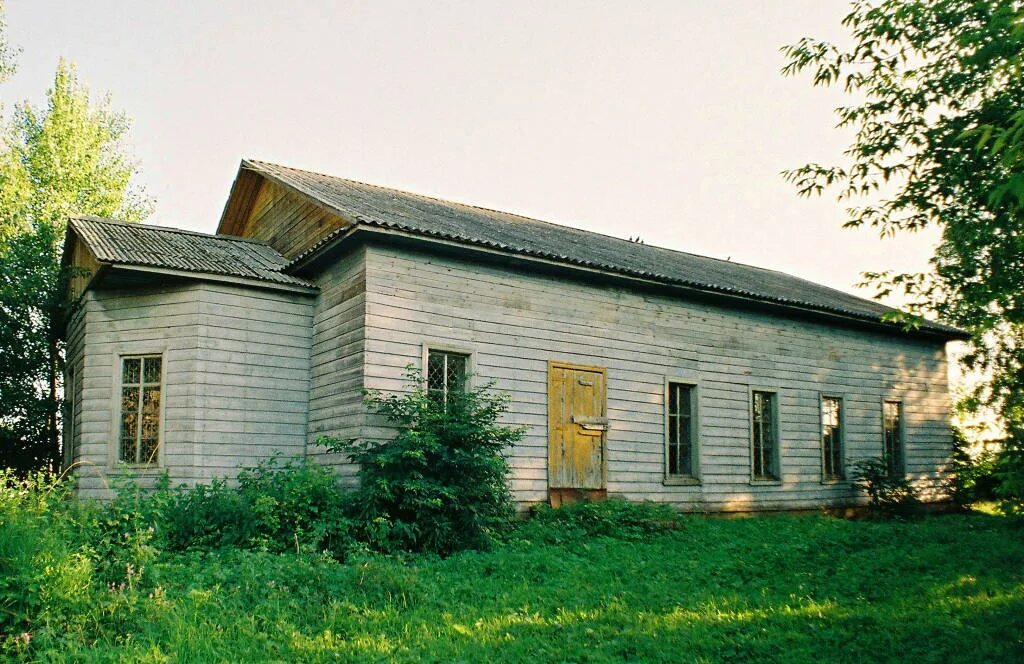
<point x="64" y="159"/>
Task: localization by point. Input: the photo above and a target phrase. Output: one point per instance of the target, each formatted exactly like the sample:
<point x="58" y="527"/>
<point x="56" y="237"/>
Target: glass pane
<point x="673" y="400"/>
<point x="131" y="371"/>
<point x="683" y="400"/>
<point x="151" y="370"/>
<point x="456" y="379"/>
<point x="150" y="425"/>
<point x="673" y="444"/>
<point x="435" y="371"/>
<point x="129" y="423"/>
<point x="685" y="463"/>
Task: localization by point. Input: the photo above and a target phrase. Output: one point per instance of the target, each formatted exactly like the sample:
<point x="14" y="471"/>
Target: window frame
<point x="841" y="398"/>
<point x="694" y="478"/>
<point x="900" y="471"/>
<point x="70" y="410"/>
<point x="114" y="451"/>
<point x="761" y="480"/>
<point x="442" y="347"/>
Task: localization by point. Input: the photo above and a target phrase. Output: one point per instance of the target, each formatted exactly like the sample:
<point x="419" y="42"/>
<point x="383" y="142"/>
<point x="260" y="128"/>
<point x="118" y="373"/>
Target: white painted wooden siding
<point x="515" y="321"/>
<point x="236" y="377"/>
<point x="336" y="399"/>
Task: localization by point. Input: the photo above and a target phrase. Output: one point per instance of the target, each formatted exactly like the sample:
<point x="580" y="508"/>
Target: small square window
<point x="447" y="373"/>
<point x="140" y="409"/>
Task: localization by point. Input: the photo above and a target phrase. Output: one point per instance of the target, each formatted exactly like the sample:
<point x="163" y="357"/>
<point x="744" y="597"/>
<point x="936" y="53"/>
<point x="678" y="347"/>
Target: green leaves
<point x="66" y="159"/>
<point x="939" y="142"/>
<point x="440" y="484"/>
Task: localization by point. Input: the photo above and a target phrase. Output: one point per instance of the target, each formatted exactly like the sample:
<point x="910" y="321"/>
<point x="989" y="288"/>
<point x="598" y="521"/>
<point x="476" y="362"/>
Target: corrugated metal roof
<point x="171" y="248"/>
<point x="422" y="215"/>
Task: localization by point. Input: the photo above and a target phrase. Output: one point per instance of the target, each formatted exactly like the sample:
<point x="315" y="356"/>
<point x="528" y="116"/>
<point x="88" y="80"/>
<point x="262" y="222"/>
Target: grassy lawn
<point x="777" y="589"/>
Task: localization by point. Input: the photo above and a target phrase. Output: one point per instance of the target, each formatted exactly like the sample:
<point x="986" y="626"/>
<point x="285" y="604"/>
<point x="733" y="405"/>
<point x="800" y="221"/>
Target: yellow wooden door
<point x="577" y="426"/>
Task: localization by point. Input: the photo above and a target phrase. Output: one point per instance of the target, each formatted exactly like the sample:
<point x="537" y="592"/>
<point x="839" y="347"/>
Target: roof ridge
<point x="167" y="229"/>
<point x="529" y="219"/>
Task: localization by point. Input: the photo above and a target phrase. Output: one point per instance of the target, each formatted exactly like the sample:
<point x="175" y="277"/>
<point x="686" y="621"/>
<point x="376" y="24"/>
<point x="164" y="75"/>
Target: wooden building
<point x="638" y="371"/>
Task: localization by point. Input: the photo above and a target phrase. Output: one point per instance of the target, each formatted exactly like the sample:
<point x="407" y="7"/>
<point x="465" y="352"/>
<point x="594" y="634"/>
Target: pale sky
<point x="667" y="120"/>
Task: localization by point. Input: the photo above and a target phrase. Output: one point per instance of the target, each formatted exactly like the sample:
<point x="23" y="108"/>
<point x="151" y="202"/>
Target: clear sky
<point x="667" y="120"/>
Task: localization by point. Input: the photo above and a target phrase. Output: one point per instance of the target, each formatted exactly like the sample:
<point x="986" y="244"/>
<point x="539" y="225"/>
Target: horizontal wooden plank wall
<point x="514" y="322"/>
<point x="336" y="399"/>
<point x="137" y="321"/>
<point x="236" y="377"/>
<point x="252" y="380"/>
<point x="74" y="358"/>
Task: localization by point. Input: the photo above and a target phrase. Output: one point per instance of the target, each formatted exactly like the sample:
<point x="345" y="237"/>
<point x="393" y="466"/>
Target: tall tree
<point x="939" y="139"/>
<point x="65" y="159"/>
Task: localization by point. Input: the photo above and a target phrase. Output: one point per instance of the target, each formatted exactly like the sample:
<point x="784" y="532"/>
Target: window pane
<point x="764" y="435"/>
<point x="150" y="434"/>
<point x="680" y="429"/>
<point x="435" y="371"/>
<point x="151" y="370"/>
<point x="132" y="370"/>
<point x="129" y="423"/>
<point x="455" y="380"/>
<point x="831" y="431"/>
<point x="893" y="437"/>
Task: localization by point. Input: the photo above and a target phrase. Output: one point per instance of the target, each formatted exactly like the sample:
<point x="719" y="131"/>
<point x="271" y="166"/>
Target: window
<point x="892" y="416"/>
<point x="765" y="433"/>
<point x="446" y="373"/>
<point x="681" y="430"/>
<point x="140" y="409"/>
<point x="69" y="415"/>
<point x="832" y="438"/>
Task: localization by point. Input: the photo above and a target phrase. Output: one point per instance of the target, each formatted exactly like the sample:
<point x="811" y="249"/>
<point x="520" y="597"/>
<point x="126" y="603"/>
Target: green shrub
<point x="1009" y="472"/>
<point x="974" y="477"/>
<point x="618" y="519"/>
<point x="296" y="504"/>
<point x="275" y="507"/>
<point x="887" y="492"/>
<point x="440" y="484"/>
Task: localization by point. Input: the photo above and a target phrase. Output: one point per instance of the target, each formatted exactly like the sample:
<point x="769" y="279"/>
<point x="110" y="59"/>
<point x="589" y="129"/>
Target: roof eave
<point x="345" y="236"/>
<point x="247" y="282"/>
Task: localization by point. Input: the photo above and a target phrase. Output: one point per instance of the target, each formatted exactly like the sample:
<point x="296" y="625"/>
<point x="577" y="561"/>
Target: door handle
<point x="591" y="423"/>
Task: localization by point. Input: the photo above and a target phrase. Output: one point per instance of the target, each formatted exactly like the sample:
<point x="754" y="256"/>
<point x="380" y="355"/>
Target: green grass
<point x="771" y="589"/>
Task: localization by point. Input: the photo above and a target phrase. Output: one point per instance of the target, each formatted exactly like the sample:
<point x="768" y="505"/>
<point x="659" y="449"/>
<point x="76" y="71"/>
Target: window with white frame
<point x="764" y="435"/>
<point x="447" y="373"/>
<point x="832" y="438"/>
<point x="140" y="409"/>
<point x="892" y="449"/>
<point x="681" y="430"/>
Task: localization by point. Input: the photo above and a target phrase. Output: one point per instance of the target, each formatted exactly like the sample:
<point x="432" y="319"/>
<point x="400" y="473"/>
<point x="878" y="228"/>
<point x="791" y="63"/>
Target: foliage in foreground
<point x="67" y="158"/>
<point x="885" y="490"/>
<point x="594" y="583"/>
<point x="440" y="484"/>
<point x="938" y="114"/>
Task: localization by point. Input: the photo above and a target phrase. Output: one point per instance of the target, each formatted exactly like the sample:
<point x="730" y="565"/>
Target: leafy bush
<point x="440" y="484"/>
<point x="275" y="507"/>
<point x="886" y="491"/>
<point x="618" y="519"/>
<point x="1009" y="471"/>
<point x="974" y="476"/>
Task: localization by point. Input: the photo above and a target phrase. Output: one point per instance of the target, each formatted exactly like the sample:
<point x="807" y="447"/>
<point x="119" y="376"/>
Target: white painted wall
<point x="236" y="377"/>
<point x="514" y="322"/>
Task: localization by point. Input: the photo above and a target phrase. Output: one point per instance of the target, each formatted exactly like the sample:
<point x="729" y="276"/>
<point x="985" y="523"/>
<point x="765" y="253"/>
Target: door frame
<point x="597" y="493"/>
